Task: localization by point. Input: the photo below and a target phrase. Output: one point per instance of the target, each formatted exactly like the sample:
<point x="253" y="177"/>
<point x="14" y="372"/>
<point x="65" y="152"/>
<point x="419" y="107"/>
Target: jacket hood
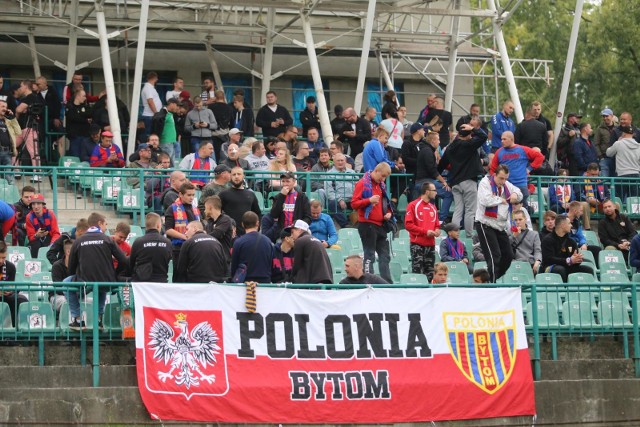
<point x="630" y="143"/>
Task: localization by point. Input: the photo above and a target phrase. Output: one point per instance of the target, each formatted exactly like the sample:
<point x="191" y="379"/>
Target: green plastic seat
<point x="336" y="260"/>
<point x="17" y="253"/>
<point x="549" y="279"/>
<point x="578" y="315"/>
<point x="521" y="267"/>
<point x="547" y="314"/>
<point x="5" y="319"/>
<point x="396" y="271"/>
<point x="613" y="314"/>
<point x="36" y="317"/>
<point x="414" y="279"/>
<point x="581" y="278"/>
<point x="610" y="255"/>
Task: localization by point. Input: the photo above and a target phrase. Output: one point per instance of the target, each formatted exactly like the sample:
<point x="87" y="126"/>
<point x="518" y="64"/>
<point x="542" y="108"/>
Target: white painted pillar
<point x="214" y="64"/>
<point x="364" y="57"/>
<point x="268" y="56"/>
<point x="137" y="76"/>
<point x="34" y="54"/>
<point x="453" y="58"/>
<point x="73" y="40"/>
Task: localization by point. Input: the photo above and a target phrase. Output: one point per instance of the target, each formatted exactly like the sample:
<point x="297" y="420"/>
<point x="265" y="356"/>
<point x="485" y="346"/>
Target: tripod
<point x="32" y="132"/>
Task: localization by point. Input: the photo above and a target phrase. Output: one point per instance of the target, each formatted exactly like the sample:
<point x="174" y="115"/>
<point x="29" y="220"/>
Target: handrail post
<point x="536" y="333"/>
<point x="540" y="199"/>
<point x="54" y="187"/>
<point x="634" y="317"/>
<point x="96" y="336"/>
<point x="143" y="203"/>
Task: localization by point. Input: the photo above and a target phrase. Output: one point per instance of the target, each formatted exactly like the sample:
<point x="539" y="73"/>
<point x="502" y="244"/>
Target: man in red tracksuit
<point x="421" y="221"/>
<point x="371" y="200"/>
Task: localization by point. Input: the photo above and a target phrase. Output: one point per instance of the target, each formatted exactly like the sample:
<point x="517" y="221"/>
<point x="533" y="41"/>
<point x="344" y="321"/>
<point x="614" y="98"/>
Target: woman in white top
<point x="282" y="163"/>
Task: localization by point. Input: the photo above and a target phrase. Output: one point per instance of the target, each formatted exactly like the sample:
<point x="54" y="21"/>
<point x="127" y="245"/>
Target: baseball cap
<point x="416" y="127"/>
<point x="221" y="168"/>
<point x="574" y="115"/>
<point x="300" y="224"/>
<point x="143" y="146"/>
<point x="38" y="198"/>
<point x="107" y="133"/>
<point x="606" y="112"/>
<point x="233" y="131"/>
<point x="288" y="175"/>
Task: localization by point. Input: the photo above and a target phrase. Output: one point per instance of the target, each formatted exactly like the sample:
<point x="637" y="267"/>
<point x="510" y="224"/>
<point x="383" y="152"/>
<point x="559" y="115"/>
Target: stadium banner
<point x="331" y="356"/>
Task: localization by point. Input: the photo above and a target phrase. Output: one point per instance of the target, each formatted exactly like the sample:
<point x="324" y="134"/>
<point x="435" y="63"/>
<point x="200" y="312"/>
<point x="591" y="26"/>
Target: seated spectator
<point x="8" y="274"/>
<point x="303" y="160"/>
<point x="322" y="227"/>
<point x="281" y="164"/>
<point x="87" y="145"/>
<point x="576" y="210"/>
<point x="290" y="136"/>
<point x="156" y="186"/>
<point x="561" y="194"/>
<point x="339" y="190"/>
<point x="283" y="258"/>
<point x="440" y="274"/>
<point x="481" y="276"/>
<point x="354" y="269"/>
<point x="144" y="162"/>
<point x="338" y="147"/>
<point x="56" y="250"/>
<point x="519" y="206"/>
<point x="233" y="159"/>
<point x="154" y="145"/>
<point x="525" y="243"/>
<point x="452" y="248"/>
<point x="201" y="164"/>
<point x="560" y="253"/>
<point x="170" y="195"/>
<point x="42" y="225"/>
<point x="59" y="272"/>
<point x="315" y="143"/>
<point x="235" y="137"/>
<point x="594" y="191"/>
<point x="22" y="208"/>
<point x="616" y="230"/>
<point x="290" y="205"/>
<point x="548" y="224"/>
<point x="634" y="252"/>
<point x="107" y="154"/>
<point x="258" y="160"/>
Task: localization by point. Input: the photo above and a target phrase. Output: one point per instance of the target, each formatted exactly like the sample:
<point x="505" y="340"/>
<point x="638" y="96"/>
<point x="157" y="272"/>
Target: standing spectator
<point x="603" y="135"/>
<point x="7" y="219"/>
<point x="290" y="205"/>
<point x="371" y="200"/>
<point x="151" y="103"/>
<point x="202" y="258"/>
<point x="107" y="154"/>
<point x="78" y="115"/>
<point x="272" y="117"/>
<point x="178" y="87"/>
<point x="338" y="121"/>
<point x="151" y="253"/>
<point x="51" y="100"/>
<point x="431" y="99"/>
<point x="200" y="122"/>
<point x="340" y="190"/>
<point x="168" y="196"/>
<point x="309" y="116"/>
<point x="625" y="120"/>
<point x="252" y="252"/>
<point x="374" y="151"/>
<point x="462" y="159"/>
<point x="412" y="146"/>
<point x="176" y="218"/>
<point x="208" y="94"/>
<point x="500" y="123"/>
<point x="355" y="132"/>
<point x="520" y="160"/>
<point x="321" y="226"/>
<point x="9" y="131"/>
<point x="8" y="274"/>
<point x="444" y="116"/>
<point x="616" y="230"/>
<point x="75" y="84"/>
<point x="219" y="225"/>
<point x="421" y="221"/>
<point x="584" y="151"/>
<point x="536" y="107"/>
<point x="627" y="155"/>
<point x="560" y="253"/>
<point x="223" y="113"/>
<point x="22" y="208"/>
<point x="216" y="186"/>
<point x="474" y="113"/>
<point x="29" y="135"/>
<point x="390" y="107"/>
<point x="531" y="133"/>
<point x="369" y="115"/>
<point x="243" y="116"/>
<point x="164" y="125"/>
<point x="311" y="263"/>
<point x="41" y="225"/>
<point x="427" y="171"/>
<point x="59" y="272"/>
<point x="201" y="164"/>
<point x="101" y="114"/>
<point x="525" y="243"/>
<point x="396" y="132"/>
<point x="91" y="260"/>
<point x="355" y="274"/>
<point x="452" y="248"/>
<point x="495" y="195"/>
<point x="237" y="200"/>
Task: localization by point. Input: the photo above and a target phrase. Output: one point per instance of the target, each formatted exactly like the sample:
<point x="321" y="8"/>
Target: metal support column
<point x="268" y="55"/>
<point x="453" y="58"/>
<point x="137" y="76"/>
<point x="364" y="57"/>
<point x="112" y="108"/>
<point x="385" y="71"/>
<point x="34" y="53"/>
<point x="214" y="64"/>
<point x="73" y="40"/>
<point x="566" y="78"/>
<point x="506" y="65"/>
<point x="323" y="111"/>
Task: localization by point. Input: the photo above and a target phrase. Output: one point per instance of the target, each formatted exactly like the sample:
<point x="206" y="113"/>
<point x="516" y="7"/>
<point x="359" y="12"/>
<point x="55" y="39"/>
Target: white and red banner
<point x="343" y="356"/>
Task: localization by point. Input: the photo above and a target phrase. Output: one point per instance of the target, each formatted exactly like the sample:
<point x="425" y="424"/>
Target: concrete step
<point x="67" y="376"/>
<point x="587" y="369"/>
<point x="584" y="347"/>
<point x="66" y="353"/>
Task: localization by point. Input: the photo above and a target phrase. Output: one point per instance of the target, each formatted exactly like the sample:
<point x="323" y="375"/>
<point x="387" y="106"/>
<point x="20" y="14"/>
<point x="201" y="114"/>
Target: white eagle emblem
<point x="187" y="352"/>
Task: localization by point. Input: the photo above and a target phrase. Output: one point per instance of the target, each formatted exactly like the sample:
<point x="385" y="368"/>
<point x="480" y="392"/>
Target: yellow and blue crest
<point x="483" y="345"/>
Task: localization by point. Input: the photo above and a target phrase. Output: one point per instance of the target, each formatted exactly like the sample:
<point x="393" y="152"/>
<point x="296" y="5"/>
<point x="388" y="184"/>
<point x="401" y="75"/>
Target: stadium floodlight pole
<point x="506" y="64"/>
<point x="137" y="76"/>
<point x="453" y="58"/>
<point x="385" y="75"/>
<point x="566" y="78"/>
<point x="112" y="106"/>
<point x="267" y="59"/>
<point x="364" y="57"/>
<point x="323" y="112"/>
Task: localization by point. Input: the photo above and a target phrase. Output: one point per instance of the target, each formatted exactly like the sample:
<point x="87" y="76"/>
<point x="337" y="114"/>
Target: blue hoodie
<point x="373" y="154"/>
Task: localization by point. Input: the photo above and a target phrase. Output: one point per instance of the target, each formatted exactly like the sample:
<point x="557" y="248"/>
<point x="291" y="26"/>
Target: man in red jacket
<point x="371" y="200"/>
<point x="421" y="221"/>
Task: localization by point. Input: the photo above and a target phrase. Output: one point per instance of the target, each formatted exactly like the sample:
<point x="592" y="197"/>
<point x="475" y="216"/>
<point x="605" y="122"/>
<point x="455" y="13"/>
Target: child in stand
<point x="440" y="274"/>
<point x="481" y="276"/>
<point x="452" y="248"/>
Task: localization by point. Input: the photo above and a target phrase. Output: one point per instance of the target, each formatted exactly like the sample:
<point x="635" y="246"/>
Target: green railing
<point x="610" y="309"/>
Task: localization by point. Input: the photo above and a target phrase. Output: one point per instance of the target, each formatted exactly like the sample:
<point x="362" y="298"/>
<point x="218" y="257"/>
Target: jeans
<point x="374" y="240"/>
<point x="607" y="166"/>
<point x="5" y="160"/>
<point x="73" y="297"/>
<point x="525" y="195"/>
<point x="169" y="148"/>
<point x="337" y="213"/>
<point x="75" y="145"/>
<point x="147" y="120"/>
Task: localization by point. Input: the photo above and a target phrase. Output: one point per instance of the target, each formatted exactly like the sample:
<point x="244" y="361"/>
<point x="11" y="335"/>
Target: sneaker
<point x="36" y="178"/>
<point x="76" y="325"/>
<point x="100" y="325"/>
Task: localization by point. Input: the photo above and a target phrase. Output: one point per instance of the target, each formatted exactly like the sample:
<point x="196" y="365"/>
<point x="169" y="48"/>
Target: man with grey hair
<point x="355" y="132"/>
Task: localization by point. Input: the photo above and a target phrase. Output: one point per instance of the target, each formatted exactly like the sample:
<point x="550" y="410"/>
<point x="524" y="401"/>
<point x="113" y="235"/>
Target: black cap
<point x="14" y="87"/>
<point x="221" y="168"/>
<point x="626" y="129"/>
<point x="288" y="175"/>
<point x="574" y="115"/>
<point x="338" y="109"/>
<point x="286" y="232"/>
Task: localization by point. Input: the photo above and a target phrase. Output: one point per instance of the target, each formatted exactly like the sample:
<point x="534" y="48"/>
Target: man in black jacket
<point x="91" y="260"/>
<point x="8" y="274"/>
<point x="355" y="273"/>
<point x="202" y="258"/>
<point x="238" y="200"/>
<point x="311" y="263"/>
<point x="151" y="253"/>
<point x="355" y="132"/>
<point x="56" y="250"/>
<point x="290" y="205"/>
<point x="272" y="117"/>
<point x="166" y="117"/>
<point x="462" y="157"/>
<point x="427" y="171"/>
<point x="560" y="253"/>
<point x="309" y="116"/>
<point x="616" y="230"/>
<point x="412" y="146"/>
<point x="219" y="225"/>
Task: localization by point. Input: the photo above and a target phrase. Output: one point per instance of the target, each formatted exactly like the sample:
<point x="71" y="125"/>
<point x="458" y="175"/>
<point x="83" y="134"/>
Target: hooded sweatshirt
<point x="627" y="152"/>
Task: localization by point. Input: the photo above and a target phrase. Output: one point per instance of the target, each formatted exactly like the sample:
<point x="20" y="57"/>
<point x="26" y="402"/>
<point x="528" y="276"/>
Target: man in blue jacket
<point x="583" y="152"/>
<point x="500" y="123"/>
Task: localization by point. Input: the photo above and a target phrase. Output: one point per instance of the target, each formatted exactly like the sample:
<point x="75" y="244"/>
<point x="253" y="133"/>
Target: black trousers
<point x="566" y="271"/>
<point x="496" y="249"/>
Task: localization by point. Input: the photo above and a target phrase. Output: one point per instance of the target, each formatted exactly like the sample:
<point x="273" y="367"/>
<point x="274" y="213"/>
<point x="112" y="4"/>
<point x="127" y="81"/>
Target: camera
<point x="35" y="109"/>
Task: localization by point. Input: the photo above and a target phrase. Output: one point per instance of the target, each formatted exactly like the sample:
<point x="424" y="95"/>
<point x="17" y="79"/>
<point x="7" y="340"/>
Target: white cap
<point x="233" y="131"/>
<point x="301" y="225"/>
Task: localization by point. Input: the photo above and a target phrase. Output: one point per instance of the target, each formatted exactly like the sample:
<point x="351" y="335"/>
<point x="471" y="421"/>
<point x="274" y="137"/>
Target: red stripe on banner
<point x="506" y="351"/>
<point x="260" y="390"/>
<point x="464" y="359"/>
